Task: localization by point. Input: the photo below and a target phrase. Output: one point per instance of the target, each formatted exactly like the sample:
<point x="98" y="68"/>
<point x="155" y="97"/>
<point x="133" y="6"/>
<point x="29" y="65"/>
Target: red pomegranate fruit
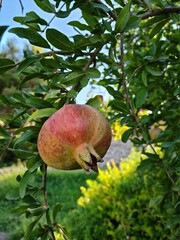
<point x="76" y="136"/>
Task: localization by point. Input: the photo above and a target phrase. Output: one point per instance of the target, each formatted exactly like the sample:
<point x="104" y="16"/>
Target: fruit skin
<point x="76" y="136"/>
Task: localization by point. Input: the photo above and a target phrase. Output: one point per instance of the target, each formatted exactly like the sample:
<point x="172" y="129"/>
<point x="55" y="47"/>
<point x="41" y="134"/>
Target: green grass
<point x="62" y="187"/>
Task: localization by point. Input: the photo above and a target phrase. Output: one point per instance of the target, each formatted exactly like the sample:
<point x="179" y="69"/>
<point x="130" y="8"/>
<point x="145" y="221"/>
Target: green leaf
<point x="41" y="113"/>
<point x="116" y="94"/>
<point x="6" y="64"/>
<point x="28" y="61"/>
<point x="158" y="28"/>
<point x="137" y="141"/>
<point x="26" y="136"/>
<point x="72" y="94"/>
<point x="13" y="194"/>
<point x="176" y="186"/>
<point x="123" y="18"/>
<point x="173" y="221"/>
<point x="167" y="144"/>
<point x="56" y="210"/>
<point x="30" y="228"/>
<point x="107" y="26"/>
<point x="152" y="156"/>
<point x="144" y="78"/>
<point x="38" y="103"/>
<point x="95" y="102"/>
<point x="31" y="76"/>
<point x="153" y="20"/>
<point x="126" y="135"/>
<point x="132" y="23"/>
<point x="22" y="153"/>
<point x="19" y="210"/>
<point x="93" y="73"/>
<point x="24" y="129"/>
<point x="146" y="164"/>
<point x="33" y="37"/>
<point x="120" y="106"/>
<point x="38" y="211"/>
<point x="31" y="201"/>
<point x="80" y="26"/>
<point x="156" y="201"/>
<point x="63" y="14"/>
<point x="2" y="30"/>
<point x="59" y="40"/>
<point x="84" y="81"/>
<point x="141" y="97"/>
<point x="153" y="71"/>
<point x="4" y="134"/>
<point x="50" y="63"/>
<point x="24" y="182"/>
<point x="101" y="6"/>
<point x="31" y="17"/>
<point x="45" y="5"/>
<point x="34" y="164"/>
<point x="73" y="77"/>
<point x="90" y="20"/>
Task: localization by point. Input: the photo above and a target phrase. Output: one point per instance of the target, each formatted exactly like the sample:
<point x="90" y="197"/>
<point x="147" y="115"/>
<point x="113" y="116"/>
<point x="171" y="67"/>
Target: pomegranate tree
<point x="76" y="136"/>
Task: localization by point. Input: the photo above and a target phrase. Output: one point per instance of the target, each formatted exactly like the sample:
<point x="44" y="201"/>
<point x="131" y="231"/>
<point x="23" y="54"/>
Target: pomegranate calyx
<point x="87" y="158"/>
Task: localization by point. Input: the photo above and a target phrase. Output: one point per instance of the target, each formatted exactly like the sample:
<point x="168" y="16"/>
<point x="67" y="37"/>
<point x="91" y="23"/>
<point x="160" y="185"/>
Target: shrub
<point x="116" y="206"/>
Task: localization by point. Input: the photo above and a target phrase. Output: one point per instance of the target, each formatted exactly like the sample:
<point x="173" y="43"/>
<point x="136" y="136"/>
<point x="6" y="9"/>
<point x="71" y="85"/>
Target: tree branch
<point x="155" y="12"/>
<point x="150" y="13"/>
<point x="92" y="58"/>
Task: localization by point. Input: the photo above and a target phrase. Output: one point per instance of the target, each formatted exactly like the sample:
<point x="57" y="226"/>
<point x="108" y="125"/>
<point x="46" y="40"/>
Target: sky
<point x="12" y="8"/>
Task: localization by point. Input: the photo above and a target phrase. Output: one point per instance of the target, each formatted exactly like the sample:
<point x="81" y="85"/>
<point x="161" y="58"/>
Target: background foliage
<point x="131" y="48"/>
<point x="118" y="205"/>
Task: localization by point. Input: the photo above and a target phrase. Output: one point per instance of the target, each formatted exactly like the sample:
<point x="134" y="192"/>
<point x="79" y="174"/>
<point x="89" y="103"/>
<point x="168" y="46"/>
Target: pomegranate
<point x="76" y="136"/>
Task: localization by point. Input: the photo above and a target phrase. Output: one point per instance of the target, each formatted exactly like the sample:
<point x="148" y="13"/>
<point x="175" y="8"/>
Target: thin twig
<point x="51" y="53"/>
<point x="47" y="54"/>
<point x="124" y="79"/>
<point x="49" y="23"/>
<point x="6" y="148"/>
<point x="44" y="181"/>
<point x="90" y="61"/>
<point x="92" y="58"/>
<point x="147" y="5"/>
<point x="22" y="6"/>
